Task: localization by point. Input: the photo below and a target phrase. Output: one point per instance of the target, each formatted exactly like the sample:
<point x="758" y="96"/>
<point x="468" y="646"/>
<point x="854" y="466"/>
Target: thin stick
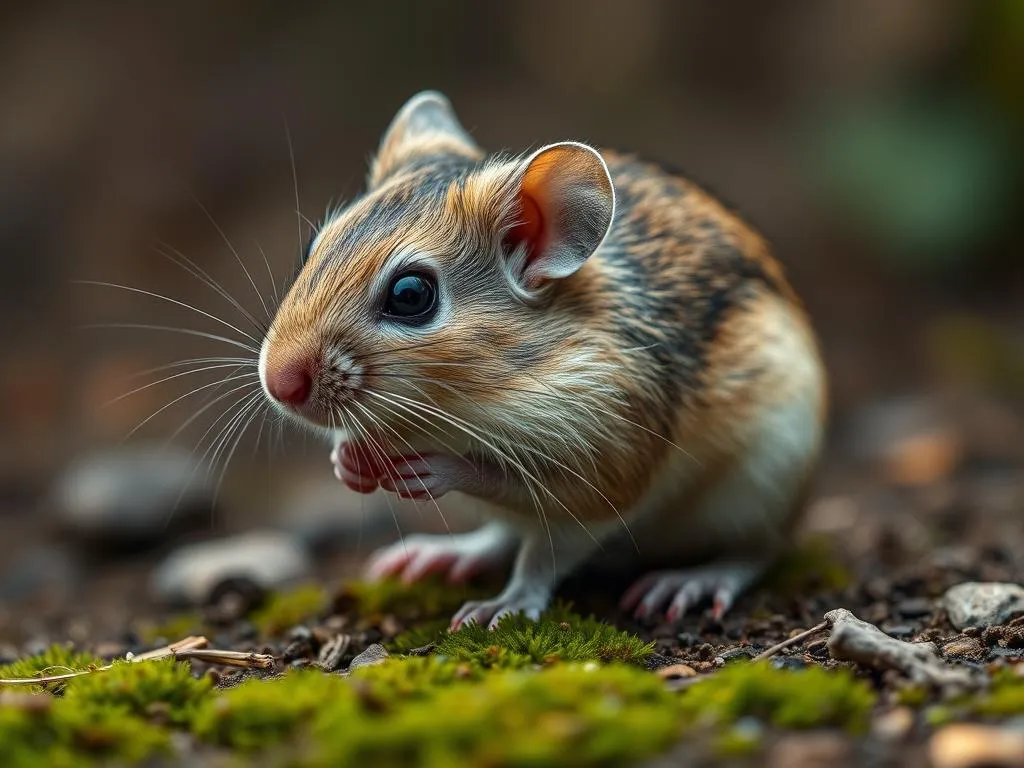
<point x="791" y="641"/>
<point x="193" y="647"/>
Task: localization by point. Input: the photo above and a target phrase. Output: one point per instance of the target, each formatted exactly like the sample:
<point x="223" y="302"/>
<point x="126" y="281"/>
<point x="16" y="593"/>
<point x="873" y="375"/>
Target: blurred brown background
<point x="877" y="143"/>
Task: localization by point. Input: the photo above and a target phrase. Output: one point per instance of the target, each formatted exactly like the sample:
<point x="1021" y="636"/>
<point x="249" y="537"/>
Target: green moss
<point x="423" y="634"/>
<point x="915" y="696"/>
<point x="63" y="734"/>
<point x="424" y="600"/>
<point x="813" y="566"/>
<point x="412" y="677"/>
<point x="1005" y="698"/>
<point x="55" y="660"/>
<point x="567" y="715"/>
<point x="559" y="636"/>
<point x="737" y="742"/>
<point x="517" y="641"/>
<point x="808" y="698"/>
<point x="428" y="711"/>
<point x="286" y="609"/>
<point x="164" y="689"/>
<point x="260" y="713"/>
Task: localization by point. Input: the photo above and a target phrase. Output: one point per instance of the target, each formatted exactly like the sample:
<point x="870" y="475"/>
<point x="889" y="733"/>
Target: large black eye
<point x="412" y="296"/>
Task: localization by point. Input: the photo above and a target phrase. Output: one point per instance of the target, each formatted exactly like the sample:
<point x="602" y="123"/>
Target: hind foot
<point x="721" y="583"/>
<point x="459" y="556"/>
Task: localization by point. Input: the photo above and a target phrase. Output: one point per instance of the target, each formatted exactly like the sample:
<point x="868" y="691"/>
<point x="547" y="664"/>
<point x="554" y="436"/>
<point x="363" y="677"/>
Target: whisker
<point x="238" y="258"/>
<point x="373" y="446"/>
<point x="182" y="397"/>
<point x="173" y="329"/>
<point x="270" y="273"/>
<point x="239" y="361"/>
<point x="166" y="379"/>
<point x="242" y="426"/>
<point x="418" y="455"/>
<point x="454" y="421"/>
<point x="295" y="184"/>
<point x="175" y="256"/>
<point x="170" y="300"/>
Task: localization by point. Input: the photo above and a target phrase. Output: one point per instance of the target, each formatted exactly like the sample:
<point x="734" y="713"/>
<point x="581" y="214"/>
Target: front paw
<point x="490" y="612"/>
<point x="410" y="476"/>
<point x="355" y="466"/>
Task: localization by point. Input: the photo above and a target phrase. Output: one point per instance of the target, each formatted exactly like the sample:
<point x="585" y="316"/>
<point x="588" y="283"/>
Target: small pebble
<point x="137" y="495"/>
<point x="914" y="608"/>
<point x="894" y="724"/>
<point x="969" y="648"/>
<point x="375" y="654"/>
<point x="976" y="746"/>
<point x="676" y="671"/>
<point x="983" y="604"/>
<point x="901" y="631"/>
<point x="812" y="750"/>
<point x="794" y="663"/>
<point x="192" y="574"/>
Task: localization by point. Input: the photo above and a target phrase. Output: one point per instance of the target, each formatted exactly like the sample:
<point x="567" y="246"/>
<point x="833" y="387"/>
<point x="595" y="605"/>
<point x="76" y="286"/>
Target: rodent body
<point x="612" y="359"/>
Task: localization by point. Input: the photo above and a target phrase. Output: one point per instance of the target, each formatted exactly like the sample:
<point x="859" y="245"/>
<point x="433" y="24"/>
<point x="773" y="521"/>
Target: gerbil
<point x="591" y="344"/>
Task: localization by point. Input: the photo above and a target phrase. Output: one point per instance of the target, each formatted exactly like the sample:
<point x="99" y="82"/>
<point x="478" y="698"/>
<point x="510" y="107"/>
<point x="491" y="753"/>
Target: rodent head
<point x="428" y="300"/>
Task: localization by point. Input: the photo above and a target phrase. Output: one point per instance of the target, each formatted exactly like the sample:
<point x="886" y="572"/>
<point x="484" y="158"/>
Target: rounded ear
<point x="565" y="203"/>
<point x="425" y="124"/>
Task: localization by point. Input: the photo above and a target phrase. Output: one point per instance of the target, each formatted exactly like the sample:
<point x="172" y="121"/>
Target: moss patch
<point x="165" y="690"/>
<point x="517" y="641"/>
<point x="63" y="734"/>
<point x="55" y="660"/>
<point x="1004" y="699"/>
<point x="808" y="698"/>
<point x="284" y="610"/>
<point x="424" y="600"/>
<point x="426" y="711"/>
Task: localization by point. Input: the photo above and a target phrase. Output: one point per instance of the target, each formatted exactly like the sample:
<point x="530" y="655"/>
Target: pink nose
<point x="290" y="384"/>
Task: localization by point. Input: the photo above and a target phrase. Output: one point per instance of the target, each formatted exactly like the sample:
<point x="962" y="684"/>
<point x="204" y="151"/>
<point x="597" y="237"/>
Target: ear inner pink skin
<point x="530" y="230"/>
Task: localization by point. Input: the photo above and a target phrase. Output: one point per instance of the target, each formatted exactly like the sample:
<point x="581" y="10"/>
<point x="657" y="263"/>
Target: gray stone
<point x="375" y="654"/>
<point x="193" y="573"/>
<point x="983" y="604"/>
<point x="132" y="495"/>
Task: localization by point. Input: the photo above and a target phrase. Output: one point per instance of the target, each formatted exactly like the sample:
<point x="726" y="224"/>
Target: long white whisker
<point x="156" y="413"/>
<point x="416" y="453"/>
<point x="270" y="273"/>
<point x="238" y="258"/>
<point x="166" y="379"/>
<point x="173" y="329"/>
<point x="295" y="184"/>
<point x="372" y="444"/>
<point x="239" y="361"/>
<point x="170" y="300"/>
<point x="177" y="257"/>
<point x="242" y="426"/>
<point x="454" y="421"/>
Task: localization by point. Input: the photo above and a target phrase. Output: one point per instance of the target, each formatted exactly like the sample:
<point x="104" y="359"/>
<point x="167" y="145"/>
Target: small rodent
<point x="593" y="345"/>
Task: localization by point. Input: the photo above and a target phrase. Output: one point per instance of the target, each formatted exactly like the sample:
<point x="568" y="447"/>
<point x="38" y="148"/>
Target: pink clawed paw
<point x="679" y="591"/>
<point x="490" y="612"/>
<point x="422" y="476"/>
<point x="459" y="557"/>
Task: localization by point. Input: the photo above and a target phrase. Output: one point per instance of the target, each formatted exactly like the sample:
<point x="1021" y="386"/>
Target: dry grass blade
<point x="193" y="647"/>
<point x="791" y="641"/>
<point x="242" y="659"/>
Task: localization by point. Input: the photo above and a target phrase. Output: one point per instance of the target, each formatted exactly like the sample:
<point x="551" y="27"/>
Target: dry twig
<point x="193" y="647"/>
